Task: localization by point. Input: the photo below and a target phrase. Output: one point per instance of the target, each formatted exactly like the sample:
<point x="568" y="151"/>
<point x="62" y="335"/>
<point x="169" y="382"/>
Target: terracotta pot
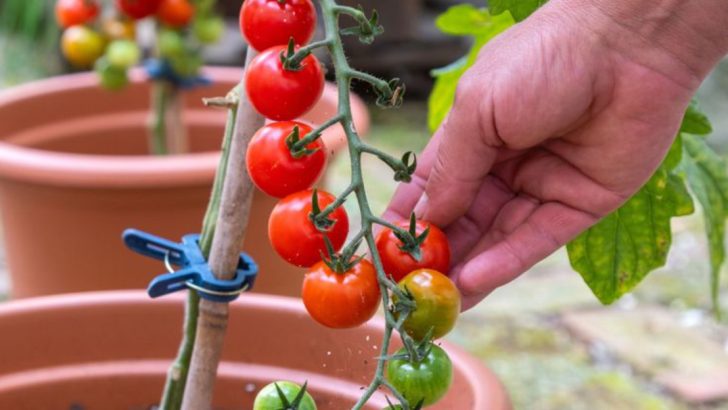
<point x="110" y="350"/>
<point x="74" y="174"/>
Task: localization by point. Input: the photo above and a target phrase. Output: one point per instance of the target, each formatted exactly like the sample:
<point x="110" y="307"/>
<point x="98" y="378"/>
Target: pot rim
<point x="471" y="368"/>
<point x="33" y="165"/>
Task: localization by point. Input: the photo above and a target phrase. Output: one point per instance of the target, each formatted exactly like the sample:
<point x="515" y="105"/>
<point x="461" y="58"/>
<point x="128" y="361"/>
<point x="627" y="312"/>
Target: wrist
<point x="682" y="39"/>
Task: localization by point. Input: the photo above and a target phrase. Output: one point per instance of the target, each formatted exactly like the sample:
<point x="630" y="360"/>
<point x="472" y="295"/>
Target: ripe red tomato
<point x="73" y="12"/>
<point x="268" y="23"/>
<point x="138" y="9"/>
<point x="438" y="304"/>
<point x="272" y="166"/>
<point x="293" y="234"/>
<point x="280" y="94"/>
<point x="175" y="13"/>
<point x="435" y="251"/>
<point x="341" y="300"/>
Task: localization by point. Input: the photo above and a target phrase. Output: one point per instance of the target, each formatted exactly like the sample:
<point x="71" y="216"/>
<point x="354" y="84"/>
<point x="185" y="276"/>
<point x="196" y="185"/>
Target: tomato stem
<point x="315" y="134"/>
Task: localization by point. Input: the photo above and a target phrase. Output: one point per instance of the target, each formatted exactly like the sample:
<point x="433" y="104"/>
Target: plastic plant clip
<point x="161" y="70"/>
<point x="194" y="271"/>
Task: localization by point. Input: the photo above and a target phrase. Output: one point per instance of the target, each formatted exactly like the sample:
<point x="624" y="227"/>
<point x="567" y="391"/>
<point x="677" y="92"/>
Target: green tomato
<point x="111" y="77"/>
<point x="171" y="44"/>
<point x="269" y="399"/>
<point x="123" y="53"/>
<point x="429" y="379"/>
<point x="186" y="65"/>
<point x="208" y="29"/>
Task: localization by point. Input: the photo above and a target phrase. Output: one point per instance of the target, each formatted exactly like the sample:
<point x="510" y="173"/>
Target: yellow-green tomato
<point x="270" y="399"/>
<point x="82" y="46"/>
<point x="111" y="77"/>
<point x="123" y="53"/>
<point x="438" y="303"/>
<point x="170" y="43"/>
<point x="208" y="29"/>
<point x="426" y="381"/>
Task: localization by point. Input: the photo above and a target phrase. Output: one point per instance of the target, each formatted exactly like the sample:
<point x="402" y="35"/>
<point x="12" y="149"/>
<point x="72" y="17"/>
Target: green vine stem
<point x="344" y="75"/>
<point x="158" y="123"/>
<point x="177" y="376"/>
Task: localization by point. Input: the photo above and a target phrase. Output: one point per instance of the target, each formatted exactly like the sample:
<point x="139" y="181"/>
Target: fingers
<point x="522" y="234"/>
<point x="462" y="160"/>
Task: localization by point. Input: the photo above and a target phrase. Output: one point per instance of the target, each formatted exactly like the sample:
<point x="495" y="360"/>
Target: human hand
<point x="558" y="123"/>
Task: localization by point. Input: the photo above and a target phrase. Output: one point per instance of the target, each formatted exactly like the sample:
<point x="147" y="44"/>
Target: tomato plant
<point x="123" y="53"/>
<point x="272" y="165"/>
<point x="268" y="23"/>
<point x="281" y="94"/>
<point x="341" y="299"/>
<point x="208" y="29"/>
<point x="438" y="303"/>
<point x="283" y="395"/>
<point x="119" y="29"/>
<point x="427" y="380"/>
<point x="400" y="257"/>
<point x="175" y="13"/>
<point x="138" y="9"/>
<point x="293" y="233"/>
<point x="73" y="12"/>
<point x="82" y="46"/>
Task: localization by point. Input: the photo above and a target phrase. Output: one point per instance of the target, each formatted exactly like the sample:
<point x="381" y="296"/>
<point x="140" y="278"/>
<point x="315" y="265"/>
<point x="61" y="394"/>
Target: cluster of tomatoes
<point x="109" y="43"/>
<point x="308" y="228"/>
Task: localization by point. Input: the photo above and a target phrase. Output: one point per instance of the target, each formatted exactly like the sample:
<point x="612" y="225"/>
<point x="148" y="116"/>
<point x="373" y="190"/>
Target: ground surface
<point x="551" y="343"/>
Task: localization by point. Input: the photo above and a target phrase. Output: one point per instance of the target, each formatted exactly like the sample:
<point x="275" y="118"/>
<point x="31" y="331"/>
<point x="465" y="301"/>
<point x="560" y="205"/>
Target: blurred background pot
<point x="110" y="350"/>
<point x="74" y="173"/>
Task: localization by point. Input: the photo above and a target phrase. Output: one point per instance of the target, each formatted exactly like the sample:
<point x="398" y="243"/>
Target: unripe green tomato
<point x="427" y="380"/>
<point x="187" y="65"/>
<point x="111" y="77"/>
<point x="171" y="44"/>
<point x="123" y="53"/>
<point x="268" y="398"/>
<point x="208" y="29"/>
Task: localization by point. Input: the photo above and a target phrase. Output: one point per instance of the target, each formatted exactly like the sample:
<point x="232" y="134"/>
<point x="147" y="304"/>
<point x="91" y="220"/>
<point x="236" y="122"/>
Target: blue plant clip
<point x="161" y="70"/>
<point x="195" y="273"/>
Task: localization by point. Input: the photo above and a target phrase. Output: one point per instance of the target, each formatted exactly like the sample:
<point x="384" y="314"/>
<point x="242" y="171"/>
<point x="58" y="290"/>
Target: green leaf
<point x="695" y="121"/>
<point x="464" y="19"/>
<point x="617" y="253"/>
<point x="461" y="20"/>
<point x="708" y="180"/>
<point x="520" y="9"/>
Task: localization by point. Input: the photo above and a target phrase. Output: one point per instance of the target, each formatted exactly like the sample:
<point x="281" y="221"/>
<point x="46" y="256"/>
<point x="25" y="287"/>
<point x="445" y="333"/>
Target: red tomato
<point x="280" y="94"/>
<point x="175" y="13"/>
<point x="341" y="300"/>
<point x="398" y="263"/>
<point x="138" y="9"/>
<point x="73" y="12"/>
<point x="293" y="234"/>
<point x="272" y="167"/>
<point x="268" y="23"/>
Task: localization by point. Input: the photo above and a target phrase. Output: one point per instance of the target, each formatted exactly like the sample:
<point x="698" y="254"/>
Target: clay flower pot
<point x="74" y="174"/>
<point x="110" y="350"/>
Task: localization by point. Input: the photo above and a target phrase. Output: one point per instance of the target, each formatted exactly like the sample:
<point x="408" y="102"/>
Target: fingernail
<point x="421" y="206"/>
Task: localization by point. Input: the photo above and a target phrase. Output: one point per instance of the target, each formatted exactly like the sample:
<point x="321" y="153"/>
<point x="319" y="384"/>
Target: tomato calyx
<point x="411" y="242"/>
<point x="391" y="95"/>
<point x="296" y="403"/>
<point x="368" y="28"/>
<point x="409" y="166"/>
<point x="296" y="149"/>
<point x="341" y="262"/>
<point x="319" y="218"/>
<point x="391" y="406"/>
<point x="291" y="59"/>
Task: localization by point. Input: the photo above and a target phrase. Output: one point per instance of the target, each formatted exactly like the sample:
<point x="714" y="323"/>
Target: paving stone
<point x="654" y="341"/>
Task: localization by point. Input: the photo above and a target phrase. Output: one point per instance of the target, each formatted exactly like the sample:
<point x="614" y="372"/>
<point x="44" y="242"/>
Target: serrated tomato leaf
<point x="695" y="121"/>
<point x="461" y="20"/>
<point x="520" y="9"/>
<point x="708" y="181"/>
<point x="617" y="253"/>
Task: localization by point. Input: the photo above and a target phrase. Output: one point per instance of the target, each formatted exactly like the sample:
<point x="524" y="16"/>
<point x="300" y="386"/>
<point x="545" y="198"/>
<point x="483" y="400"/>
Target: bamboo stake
<point x="231" y="224"/>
